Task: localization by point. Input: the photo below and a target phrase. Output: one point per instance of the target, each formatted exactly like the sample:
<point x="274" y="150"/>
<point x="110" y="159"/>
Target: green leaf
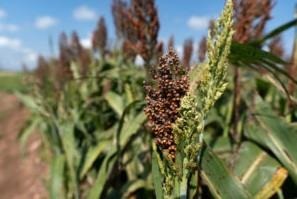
<point x="31" y="103"/>
<point x="92" y="154"/>
<point x="133" y="186"/>
<point x="26" y="131"/>
<point x="56" y="189"/>
<point x="221" y="182"/>
<point x="103" y="175"/>
<point x="261" y="174"/>
<point x="69" y="146"/>
<point x="131" y="127"/>
<point x="128" y="127"/>
<point x="116" y="102"/>
<point x="277" y="31"/>
<point x="157" y="177"/>
<point x="273" y="132"/>
<point x="247" y="55"/>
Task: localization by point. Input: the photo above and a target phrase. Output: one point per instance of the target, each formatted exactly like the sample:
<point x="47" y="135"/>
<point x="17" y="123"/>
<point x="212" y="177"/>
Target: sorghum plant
<point x="163" y="102"/>
<point x="202" y="49"/>
<point x="188" y="52"/>
<point x="41" y="72"/>
<point x="62" y="70"/>
<point x="202" y="46"/>
<point x="178" y="106"/>
<point x="118" y="12"/>
<point x="79" y="54"/>
<point x="99" y="39"/>
<point x="170" y="44"/>
<point x="75" y="45"/>
<point x="138" y="25"/>
<point x="276" y="46"/>
<point x="250" y="18"/>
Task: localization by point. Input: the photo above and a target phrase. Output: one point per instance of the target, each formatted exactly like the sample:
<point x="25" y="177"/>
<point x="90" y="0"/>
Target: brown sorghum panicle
<point x="202" y="49"/>
<point x="65" y="57"/>
<point x="276" y="46"/>
<point x="163" y="101"/>
<point x="42" y="71"/>
<point x="137" y="25"/>
<point x="75" y="45"/>
<point x="119" y="8"/>
<point x="170" y="44"/>
<point x="99" y="39"/>
<point x="159" y="49"/>
<point x="250" y="18"/>
<point x="188" y="52"/>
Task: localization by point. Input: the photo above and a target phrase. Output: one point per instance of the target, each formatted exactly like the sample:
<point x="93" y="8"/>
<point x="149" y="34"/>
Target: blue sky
<point x="26" y="26"/>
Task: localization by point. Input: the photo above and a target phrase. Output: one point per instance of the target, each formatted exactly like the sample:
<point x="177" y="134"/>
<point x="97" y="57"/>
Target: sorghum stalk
<point x="178" y="106"/>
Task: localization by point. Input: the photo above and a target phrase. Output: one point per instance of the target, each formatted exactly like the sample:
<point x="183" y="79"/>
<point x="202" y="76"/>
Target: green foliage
<point x="274" y="133"/>
<point x="221" y="182"/>
<point x="98" y="143"/>
<point x="11" y="82"/>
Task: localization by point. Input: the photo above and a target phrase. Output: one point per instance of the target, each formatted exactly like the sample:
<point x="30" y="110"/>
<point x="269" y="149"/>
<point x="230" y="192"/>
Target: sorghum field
<point x="136" y="117"/>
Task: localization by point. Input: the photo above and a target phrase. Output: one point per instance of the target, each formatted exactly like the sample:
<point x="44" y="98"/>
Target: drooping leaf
<point x="116" y="102"/>
<point x="132" y="187"/>
<point x="31" y="103"/>
<point x="246" y="55"/>
<point x="103" y="174"/>
<point x="26" y="131"/>
<point x="219" y="179"/>
<point x="128" y="127"/>
<point x="277" y="31"/>
<point x="131" y="127"/>
<point x="92" y="155"/>
<point x="261" y="174"/>
<point x="273" y="132"/>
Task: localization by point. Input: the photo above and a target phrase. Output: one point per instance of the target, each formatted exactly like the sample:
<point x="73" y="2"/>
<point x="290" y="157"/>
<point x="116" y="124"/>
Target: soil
<point x="22" y="173"/>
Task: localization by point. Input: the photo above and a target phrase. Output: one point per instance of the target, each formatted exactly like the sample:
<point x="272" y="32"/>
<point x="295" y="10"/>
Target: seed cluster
<point x="99" y="39"/>
<point x="188" y="52"/>
<point x="138" y="25"/>
<point x="251" y="17"/>
<point x="163" y="101"/>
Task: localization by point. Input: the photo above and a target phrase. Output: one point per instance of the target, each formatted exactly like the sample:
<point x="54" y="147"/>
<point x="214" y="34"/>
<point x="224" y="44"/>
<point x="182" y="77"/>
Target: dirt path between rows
<point x="21" y="176"/>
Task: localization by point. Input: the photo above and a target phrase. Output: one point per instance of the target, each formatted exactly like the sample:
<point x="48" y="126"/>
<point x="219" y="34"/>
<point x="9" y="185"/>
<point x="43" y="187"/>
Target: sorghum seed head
<point x="163" y="100"/>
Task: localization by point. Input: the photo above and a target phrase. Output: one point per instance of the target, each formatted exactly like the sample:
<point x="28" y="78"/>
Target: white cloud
<point x="2" y="13"/>
<point x="13" y="54"/>
<point x="11" y="43"/>
<point x="45" y="22"/>
<point x="198" y="22"/>
<point x="84" y="13"/>
<point x="179" y="50"/>
<point x="9" y="27"/>
<point x="139" y="61"/>
<point x="86" y="42"/>
<point x="30" y="57"/>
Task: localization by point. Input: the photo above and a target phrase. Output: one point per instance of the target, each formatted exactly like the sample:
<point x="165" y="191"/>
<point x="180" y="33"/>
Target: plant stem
<point x="184" y="182"/>
<point x="236" y="103"/>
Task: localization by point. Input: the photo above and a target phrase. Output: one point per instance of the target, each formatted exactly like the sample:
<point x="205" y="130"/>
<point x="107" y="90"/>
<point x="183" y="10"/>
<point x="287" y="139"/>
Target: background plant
<point x="88" y="105"/>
